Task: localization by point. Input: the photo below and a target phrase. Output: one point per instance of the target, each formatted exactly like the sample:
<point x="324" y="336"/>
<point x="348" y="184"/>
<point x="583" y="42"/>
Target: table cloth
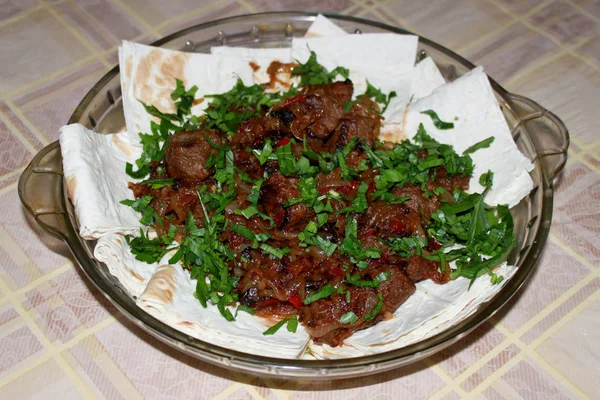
<point x="59" y="337"/>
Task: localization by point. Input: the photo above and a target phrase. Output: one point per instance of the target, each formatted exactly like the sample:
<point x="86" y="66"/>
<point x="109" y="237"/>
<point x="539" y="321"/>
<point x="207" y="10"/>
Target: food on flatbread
<point x="149" y="73"/>
<point x="288" y="205"/>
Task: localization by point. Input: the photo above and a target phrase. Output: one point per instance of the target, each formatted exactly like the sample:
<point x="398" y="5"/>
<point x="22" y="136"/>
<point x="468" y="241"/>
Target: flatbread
<point x="149" y="73"/>
<point x="323" y="27"/>
<point x="261" y="59"/>
<point x="94" y="168"/>
<point x="112" y="249"/>
<point x="429" y="311"/>
<point x="169" y="297"/>
<point x="368" y="55"/>
<point x="469" y="103"/>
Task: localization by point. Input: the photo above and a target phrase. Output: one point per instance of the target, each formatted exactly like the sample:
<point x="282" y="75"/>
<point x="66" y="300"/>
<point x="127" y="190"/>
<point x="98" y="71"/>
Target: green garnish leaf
<point x="322" y="293"/>
<point x="292" y="324"/>
<point x="272" y="330"/>
<point x="348" y="318"/>
<point x="437" y="121"/>
<point x="376" y="310"/>
<point x="274" y="251"/>
<point x="158" y="183"/>
<point x="484" y="144"/>
<point x="244" y="309"/>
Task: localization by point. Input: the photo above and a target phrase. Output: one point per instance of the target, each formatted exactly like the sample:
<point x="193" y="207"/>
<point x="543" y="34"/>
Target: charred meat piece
<point x="417" y="202"/>
<point x="250" y="133"/>
<point x="387" y="220"/>
<point x="274" y="193"/>
<point x="315" y="112"/>
<point x="323" y="317"/>
<point x="187" y="154"/>
<point x="419" y="268"/>
<point x="362" y="121"/>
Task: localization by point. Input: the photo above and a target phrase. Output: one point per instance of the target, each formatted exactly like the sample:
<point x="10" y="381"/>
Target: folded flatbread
<point x="470" y="104"/>
<point x="386" y="59"/>
<point x="169" y="297"/>
<point x="148" y="75"/>
<point x="94" y="168"/>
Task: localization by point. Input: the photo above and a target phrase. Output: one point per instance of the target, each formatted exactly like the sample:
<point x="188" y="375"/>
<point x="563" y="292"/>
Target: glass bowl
<point x="539" y="134"/>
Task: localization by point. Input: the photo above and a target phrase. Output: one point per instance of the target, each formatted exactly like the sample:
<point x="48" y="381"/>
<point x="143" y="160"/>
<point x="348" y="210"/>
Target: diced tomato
<point x="295" y="301"/>
<point x="337" y="271"/>
<point x="282" y="142"/>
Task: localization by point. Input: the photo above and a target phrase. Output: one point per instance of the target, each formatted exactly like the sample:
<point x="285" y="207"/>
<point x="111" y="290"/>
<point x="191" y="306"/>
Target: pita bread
<point x="94" y="168"/>
<point x="386" y="70"/>
<point x="149" y="74"/>
<point x="169" y="297"/>
<point x="323" y="27"/>
<point x="469" y="103"/>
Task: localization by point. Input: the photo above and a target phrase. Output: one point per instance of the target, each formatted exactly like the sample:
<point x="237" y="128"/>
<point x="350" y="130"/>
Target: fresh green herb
<point x="376" y="310"/>
<point x="484" y="144"/>
<point x="183" y="99"/>
<point x="272" y="330"/>
<point x="355" y="280"/>
<point x="348" y="318"/>
<point x="146" y="249"/>
<point x="142" y="205"/>
<point x="407" y="245"/>
<point x="347" y="106"/>
<point x="486" y="179"/>
<point x="292" y="324"/>
<point x="322" y="293"/>
<point x="437" y="121"/>
<point x="313" y="73"/>
<point x="274" y="251"/>
<point x="255" y="192"/>
<point x="244" y="309"/>
<point x="228" y="110"/>
<point x="379" y="96"/>
<point x="353" y="248"/>
<point x="264" y="154"/>
<point x="158" y="183"/>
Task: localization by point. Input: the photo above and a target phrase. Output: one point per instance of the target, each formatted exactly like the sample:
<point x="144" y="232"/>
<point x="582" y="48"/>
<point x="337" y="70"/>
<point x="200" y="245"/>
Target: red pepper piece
<point x="294" y="100"/>
<point x="282" y="142"/>
<point x="337" y="271"/>
<point x="295" y="301"/>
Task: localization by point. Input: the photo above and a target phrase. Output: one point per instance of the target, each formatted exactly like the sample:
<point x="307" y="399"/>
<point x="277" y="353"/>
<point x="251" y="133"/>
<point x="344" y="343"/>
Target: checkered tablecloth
<point x="59" y="338"/>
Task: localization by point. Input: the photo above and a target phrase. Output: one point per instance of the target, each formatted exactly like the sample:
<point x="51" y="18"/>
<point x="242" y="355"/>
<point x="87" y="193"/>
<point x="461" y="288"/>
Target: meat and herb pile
<point x="288" y="206"/>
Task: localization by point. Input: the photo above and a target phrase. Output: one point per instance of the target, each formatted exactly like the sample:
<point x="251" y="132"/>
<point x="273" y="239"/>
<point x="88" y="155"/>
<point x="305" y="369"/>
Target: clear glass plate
<point x="539" y="134"/>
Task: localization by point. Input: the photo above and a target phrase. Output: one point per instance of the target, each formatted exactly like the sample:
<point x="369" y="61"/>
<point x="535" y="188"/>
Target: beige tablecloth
<point x="59" y="338"/>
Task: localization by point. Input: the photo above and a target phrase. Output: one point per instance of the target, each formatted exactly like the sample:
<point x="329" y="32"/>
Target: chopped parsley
<point x="484" y="233"/>
<point x="380" y="97"/>
<point x="322" y="293"/>
<point x="348" y="318"/>
<point x="437" y="122"/>
<point x="484" y="144"/>
<point x="313" y="73"/>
